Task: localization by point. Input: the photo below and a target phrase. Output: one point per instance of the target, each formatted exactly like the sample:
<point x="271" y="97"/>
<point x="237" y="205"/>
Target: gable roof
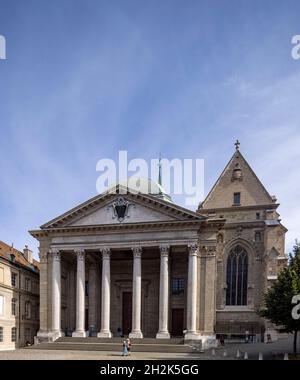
<point x="178" y="212"/>
<point x="220" y="196"/>
<point x="16" y="257"/>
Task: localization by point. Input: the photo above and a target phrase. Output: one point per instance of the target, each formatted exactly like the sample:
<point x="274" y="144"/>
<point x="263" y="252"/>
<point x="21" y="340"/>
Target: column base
<point x="163" y="335"/>
<point x="80" y="334"/>
<point x="104" y="334"/>
<point x="42" y="336"/>
<point x="53" y="335"/>
<point x="136" y="335"/>
<point x="192" y="335"/>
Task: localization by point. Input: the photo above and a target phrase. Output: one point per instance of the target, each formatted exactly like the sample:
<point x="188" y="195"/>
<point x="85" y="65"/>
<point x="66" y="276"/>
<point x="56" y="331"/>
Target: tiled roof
<point x="14" y="256"/>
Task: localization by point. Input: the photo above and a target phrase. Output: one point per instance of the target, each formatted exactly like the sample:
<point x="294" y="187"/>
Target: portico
<point x="139" y="274"/>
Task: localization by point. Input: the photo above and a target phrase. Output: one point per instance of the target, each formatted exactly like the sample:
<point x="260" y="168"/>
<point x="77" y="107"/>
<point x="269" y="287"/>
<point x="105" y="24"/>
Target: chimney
<point x="28" y="254"/>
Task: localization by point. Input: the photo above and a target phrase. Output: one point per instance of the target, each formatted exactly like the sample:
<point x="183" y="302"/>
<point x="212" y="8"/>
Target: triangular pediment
<point x="237" y="177"/>
<point x="118" y="206"/>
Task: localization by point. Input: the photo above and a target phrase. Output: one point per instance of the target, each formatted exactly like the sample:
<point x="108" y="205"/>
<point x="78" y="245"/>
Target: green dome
<point x="146" y="186"/>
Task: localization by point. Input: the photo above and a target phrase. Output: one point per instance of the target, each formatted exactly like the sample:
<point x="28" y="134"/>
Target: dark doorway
<point x="177" y="322"/>
<point x="127" y="312"/>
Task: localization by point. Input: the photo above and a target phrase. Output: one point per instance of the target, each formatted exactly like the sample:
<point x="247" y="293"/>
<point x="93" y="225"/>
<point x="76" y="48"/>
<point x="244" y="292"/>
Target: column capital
<point x="105" y="252"/>
<point x="208" y="251"/>
<point x="55" y="254"/>
<point x="193" y="249"/>
<point x="80" y="253"/>
<point x="43" y="256"/>
<point x="164" y="250"/>
<point x="137" y="252"/>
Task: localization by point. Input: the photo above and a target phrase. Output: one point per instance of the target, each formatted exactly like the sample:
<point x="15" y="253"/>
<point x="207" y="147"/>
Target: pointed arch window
<point x="237" y="277"/>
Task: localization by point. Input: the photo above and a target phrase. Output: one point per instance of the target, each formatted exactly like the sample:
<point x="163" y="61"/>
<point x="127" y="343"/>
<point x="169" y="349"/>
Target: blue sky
<point x="84" y="79"/>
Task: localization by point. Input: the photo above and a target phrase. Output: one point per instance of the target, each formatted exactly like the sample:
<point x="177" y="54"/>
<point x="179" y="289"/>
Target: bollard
<point x="238" y="354"/>
<point x="225" y="353"/>
<point x="213" y="352"/>
<point x="246" y="355"/>
<point x="286" y="356"/>
<point x="260" y="356"/>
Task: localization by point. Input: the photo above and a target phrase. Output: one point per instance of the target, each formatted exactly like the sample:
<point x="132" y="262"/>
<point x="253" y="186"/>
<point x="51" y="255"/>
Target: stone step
<point x="173" y="341"/>
<point x="116" y="347"/>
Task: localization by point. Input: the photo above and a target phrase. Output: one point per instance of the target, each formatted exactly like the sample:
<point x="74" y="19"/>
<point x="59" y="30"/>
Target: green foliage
<point x="278" y="299"/>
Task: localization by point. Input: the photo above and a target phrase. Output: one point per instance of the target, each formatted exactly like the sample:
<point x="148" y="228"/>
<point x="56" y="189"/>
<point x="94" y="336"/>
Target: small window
<point x="257" y="236"/>
<point x="14" y="334"/>
<point x="27" y="310"/>
<point x="13" y="279"/>
<point x="13" y="306"/>
<point x="1" y="334"/>
<point x="27" y="284"/>
<point x="258" y="215"/>
<point x="237" y="199"/>
<point x="86" y="288"/>
<point x="177" y="286"/>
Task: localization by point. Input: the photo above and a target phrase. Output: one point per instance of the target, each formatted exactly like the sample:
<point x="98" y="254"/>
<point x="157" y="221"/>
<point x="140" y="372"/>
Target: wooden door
<point x="177" y="322"/>
<point x="127" y="313"/>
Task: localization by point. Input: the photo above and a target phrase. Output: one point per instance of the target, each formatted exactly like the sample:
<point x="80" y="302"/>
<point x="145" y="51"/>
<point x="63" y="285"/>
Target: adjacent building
<point x="138" y="263"/>
<point x="19" y="297"/>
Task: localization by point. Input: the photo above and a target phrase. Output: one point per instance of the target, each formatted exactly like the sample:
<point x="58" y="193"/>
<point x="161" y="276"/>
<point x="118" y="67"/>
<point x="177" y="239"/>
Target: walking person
<point x="125" y="349"/>
<point x="128" y="346"/>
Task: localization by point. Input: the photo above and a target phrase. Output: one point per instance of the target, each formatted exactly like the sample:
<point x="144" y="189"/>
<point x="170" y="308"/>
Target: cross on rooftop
<point x="237" y="145"/>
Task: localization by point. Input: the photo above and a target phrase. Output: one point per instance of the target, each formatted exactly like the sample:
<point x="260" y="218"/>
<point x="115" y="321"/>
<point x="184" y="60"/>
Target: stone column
<point x="163" y="332"/>
<point x="136" y="294"/>
<point x="80" y="295"/>
<point x="56" y="294"/>
<point x="191" y="333"/>
<point x="43" y="330"/>
<point x="208" y="258"/>
<point x="93" y="297"/>
<point x="72" y="300"/>
<point x="105" y="299"/>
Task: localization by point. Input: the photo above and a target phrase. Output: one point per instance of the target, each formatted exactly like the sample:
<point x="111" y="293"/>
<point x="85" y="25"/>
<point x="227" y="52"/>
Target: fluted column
<point x="163" y="332"/>
<point x="43" y="330"/>
<point x="136" y="293"/>
<point x="192" y="293"/>
<point x="93" y="305"/>
<point x="80" y="295"/>
<point x="56" y="293"/>
<point x="105" y="299"/>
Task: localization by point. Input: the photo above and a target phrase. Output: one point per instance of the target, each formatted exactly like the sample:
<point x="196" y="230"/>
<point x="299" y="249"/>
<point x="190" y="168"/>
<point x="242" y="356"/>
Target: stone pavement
<point x="253" y="349"/>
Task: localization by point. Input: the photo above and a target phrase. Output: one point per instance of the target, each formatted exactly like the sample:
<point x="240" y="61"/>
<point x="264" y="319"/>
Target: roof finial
<point x="237" y="145"/>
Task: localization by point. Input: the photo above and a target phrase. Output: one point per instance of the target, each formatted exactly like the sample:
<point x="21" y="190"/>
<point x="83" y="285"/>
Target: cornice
<point x="270" y="206"/>
<point x="116" y="227"/>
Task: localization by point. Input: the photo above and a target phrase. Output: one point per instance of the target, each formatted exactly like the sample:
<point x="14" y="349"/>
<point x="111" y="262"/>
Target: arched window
<point x="237" y="277"/>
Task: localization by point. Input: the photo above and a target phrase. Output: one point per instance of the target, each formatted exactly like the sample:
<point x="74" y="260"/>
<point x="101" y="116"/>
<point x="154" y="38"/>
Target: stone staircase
<point x="115" y="344"/>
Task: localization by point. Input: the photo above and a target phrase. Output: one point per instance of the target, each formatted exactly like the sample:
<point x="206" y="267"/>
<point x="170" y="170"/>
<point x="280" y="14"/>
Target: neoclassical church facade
<point x="138" y="264"/>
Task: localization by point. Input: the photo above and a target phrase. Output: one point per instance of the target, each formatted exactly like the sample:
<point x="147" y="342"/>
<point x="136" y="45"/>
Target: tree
<point x="278" y="299"/>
